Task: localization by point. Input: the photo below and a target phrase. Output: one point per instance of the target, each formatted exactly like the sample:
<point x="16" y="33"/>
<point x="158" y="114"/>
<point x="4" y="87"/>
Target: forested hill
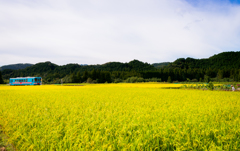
<point x="16" y="66"/>
<point x="52" y="70"/>
<point x="221" y="67"/>
<point x="160" y="65"/>
<point x="225" y="60"/>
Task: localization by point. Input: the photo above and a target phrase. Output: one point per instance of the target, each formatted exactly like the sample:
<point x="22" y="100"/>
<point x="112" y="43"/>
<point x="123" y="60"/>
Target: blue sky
<point x="200" y="2"/>
<point x="96" y="32"/>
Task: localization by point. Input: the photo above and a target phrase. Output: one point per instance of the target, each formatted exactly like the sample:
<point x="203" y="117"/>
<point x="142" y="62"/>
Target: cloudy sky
<point x="100" y="31"/>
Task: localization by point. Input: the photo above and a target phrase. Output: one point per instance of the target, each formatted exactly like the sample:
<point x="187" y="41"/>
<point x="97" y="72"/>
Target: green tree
<point x="1" y="79"/>
<point x="85" y="76"/>
<point x="220" y="74"/>
<point x="89" y="80"/>
<point x="210" y="86"/>
<point x="108" y="77"/>
<point x="79" y="79"/>
<point x="73" y="78"/>
<point x="169" y="80"/>
<point x="94" y="74"/>
<point x="238" y="75"/>
<point x="206" y="79"/>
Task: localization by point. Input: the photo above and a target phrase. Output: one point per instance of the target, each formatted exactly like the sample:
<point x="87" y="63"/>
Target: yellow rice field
<point x="119" y="117"/>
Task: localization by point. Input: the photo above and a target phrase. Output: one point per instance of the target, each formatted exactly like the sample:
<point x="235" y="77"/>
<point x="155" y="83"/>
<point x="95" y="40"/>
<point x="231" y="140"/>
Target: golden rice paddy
<point x="119" y="117"/>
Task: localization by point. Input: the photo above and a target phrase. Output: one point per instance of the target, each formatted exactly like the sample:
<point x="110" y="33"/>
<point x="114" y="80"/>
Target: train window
<point x="26" y="80"/>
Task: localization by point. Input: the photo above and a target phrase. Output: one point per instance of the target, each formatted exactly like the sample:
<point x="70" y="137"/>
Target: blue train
<point x="25" y="81"/>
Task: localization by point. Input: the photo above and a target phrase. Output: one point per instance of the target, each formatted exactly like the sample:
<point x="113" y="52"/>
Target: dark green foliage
<point x="118" y="80"/>
<point x="1" y="79"/>
<point x="210" y="86"/>
<point x="134" y="80"/>
<point x="225" y="60"/>
<point x="169" y="79"/>
<point x="79" y="77"/>
<point x="206" y="78"/>
<point x="160" y="65"/>
<point x="221" y="67"/>
<point x="16" y="66"/>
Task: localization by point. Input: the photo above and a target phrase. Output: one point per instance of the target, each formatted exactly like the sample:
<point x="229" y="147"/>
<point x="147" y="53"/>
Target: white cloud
<point x="95" y="32"/>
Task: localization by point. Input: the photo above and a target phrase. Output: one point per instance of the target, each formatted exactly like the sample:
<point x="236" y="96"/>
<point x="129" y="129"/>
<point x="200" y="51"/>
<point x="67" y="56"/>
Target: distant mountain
<point x="225" y="60"/>
<point x="16" y="66"/>
<point x="160" y="65"/>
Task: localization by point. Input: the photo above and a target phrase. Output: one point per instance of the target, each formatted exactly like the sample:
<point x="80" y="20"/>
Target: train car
<point x="25" y="81"/>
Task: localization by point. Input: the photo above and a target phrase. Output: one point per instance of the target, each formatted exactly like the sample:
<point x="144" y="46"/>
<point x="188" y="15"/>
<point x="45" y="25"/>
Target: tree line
<point x="222" y="67"/>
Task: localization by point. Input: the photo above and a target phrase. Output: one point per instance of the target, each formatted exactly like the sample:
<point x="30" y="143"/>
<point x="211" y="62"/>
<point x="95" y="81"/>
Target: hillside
<point x="52" y="71"/>
<point x="160" y="65"/>
<point x="221" y="67"/>
<point x="225" y="60"/>
<point x="16" y="66"/>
